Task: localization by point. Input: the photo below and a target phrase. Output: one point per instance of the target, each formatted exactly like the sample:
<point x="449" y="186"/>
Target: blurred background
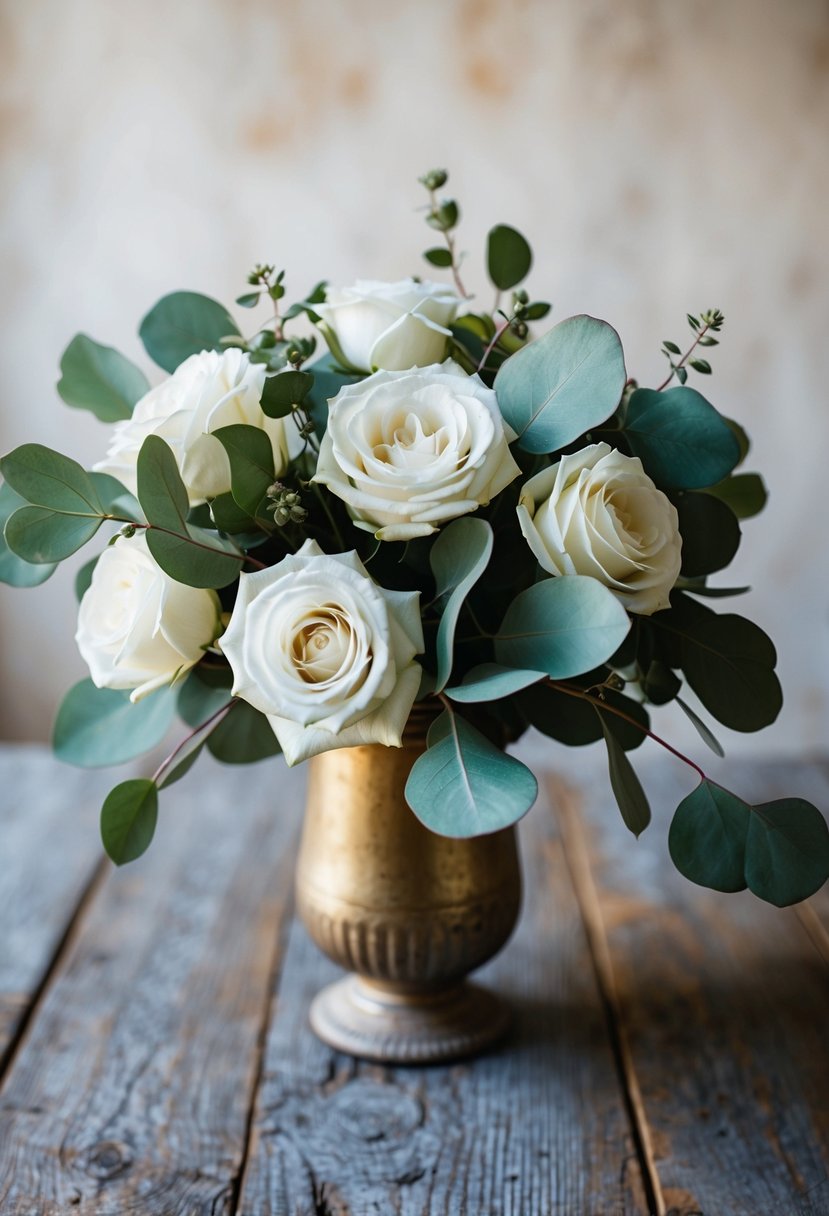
<point x="660" y="157"/>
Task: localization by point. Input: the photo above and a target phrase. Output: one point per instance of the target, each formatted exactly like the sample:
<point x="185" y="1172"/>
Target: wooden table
<point x="670" y="1051"/>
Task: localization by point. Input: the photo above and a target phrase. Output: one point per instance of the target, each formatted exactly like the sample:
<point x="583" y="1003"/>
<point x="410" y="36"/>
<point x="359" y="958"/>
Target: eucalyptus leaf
<point x="627" y="789"/>
<point x="13" y="569"/>
<point x="562" y="626"/>
<point x="710" y="533"/>
<point x="744" y="493"/>
<point x="729" y="663"/>
<point x="99" y="379"/>
<point x="705" y="733"/>
<point x="203" y="694"/>
<point x="243" y="736"/>
<point x="182" y="768"/>
<point x="787" y="851"/>
<point x="329" y="378"/>
<point x="464" y="786"/>
<point x="780" y="850"/>
<point x="458" y="558"/>
<point x="682" y="441"/>
<point x="438" y="257"/>
<point x="508" y="257"/>
<point x="285" y="390"/>
<point x="128" y="819"/>
<point x="45" y="478"/>
<point x="99" y="727"/>
<point x="39" y="535"/>
<point x="116" y="498"/>
<point x="561" y="385"/>
<point x="189" y="555"/>
<point x="707" y="838"/>
<point x="250" y="453"/>
<point x="183" y="324"/>
<point x="83" y="579"/>
<point x="490" y="682"/>
<point x="228" y="516"/>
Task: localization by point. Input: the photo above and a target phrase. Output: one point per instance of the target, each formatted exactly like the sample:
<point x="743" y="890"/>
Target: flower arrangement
<point x="442" y="508"/>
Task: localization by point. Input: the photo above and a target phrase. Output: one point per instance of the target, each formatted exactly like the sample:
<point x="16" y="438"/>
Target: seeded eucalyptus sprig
<point x="443" y="215"/>
<point x="703" y="327"/>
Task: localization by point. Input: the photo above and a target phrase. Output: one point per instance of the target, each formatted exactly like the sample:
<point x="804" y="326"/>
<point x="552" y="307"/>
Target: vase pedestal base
<point x="366" y="1020"/>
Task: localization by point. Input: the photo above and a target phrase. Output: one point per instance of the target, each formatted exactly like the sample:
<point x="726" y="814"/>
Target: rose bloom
<point x="597" y="512"/>
<point x="408" y="451"/>
<point x="206" y="392"/>
<point x="324" y="652"/>
<point x="388" y="325"/>
<point x="137" y="627"/>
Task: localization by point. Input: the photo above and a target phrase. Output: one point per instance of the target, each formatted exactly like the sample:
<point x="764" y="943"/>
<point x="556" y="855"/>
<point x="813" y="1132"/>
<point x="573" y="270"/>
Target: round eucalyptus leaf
<point x="46" y="478"/>
<point x="99" y="727"/>
<point x="128" y="819"/>
<point x="682" y="441"/>
<point x="490" y="682"/>
<point x="710" y="533"/>
<point x="182" y="324"/>
<point x="99" y="379"/>
<point x="39" y="535"/>
<point x="250" y="453"/>
<point x="744" y="493"/>
<point x="508" y="257"/>
<point x="787" y="851"/>
<point x="14" y="571"/>
<point x="729" y="663"/>
<point x="463" y="785"/>
<point x="562" y="626"/>
<point x="707" y="838"/>
<point x="244" y="736"/>
<point x="458" y="558"/>
<point x="561" y="385"/>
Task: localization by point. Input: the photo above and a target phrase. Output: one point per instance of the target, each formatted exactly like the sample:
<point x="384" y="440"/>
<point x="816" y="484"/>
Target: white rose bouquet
<point x="444" y="508"/>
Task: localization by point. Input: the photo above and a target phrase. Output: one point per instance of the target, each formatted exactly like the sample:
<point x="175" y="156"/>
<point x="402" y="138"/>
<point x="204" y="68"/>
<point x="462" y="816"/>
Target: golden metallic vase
<point x="408" y="912"/>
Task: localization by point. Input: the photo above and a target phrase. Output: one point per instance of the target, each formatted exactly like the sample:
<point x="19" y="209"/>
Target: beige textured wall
<point x="661" y="156"/>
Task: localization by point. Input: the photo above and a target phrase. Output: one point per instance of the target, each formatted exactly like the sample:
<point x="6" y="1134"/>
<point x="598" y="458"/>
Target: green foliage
<point x="13" y="569"/>
<point x="99" y="379"/>
<point x="561" y="385"/>
<point x="128" y="819"/>
<point x="182" y="324"/>
<point x="39" y="535"/>
<point x="490" y="682"/>
<point x="99" y="727"/>
<point x="250" y="453"/>
<point x="626" y="786"/>
<point x="329" y="378"/>
<point x="705" y="733"/>
<point x="203" y="694"/>
<point x="438" y="257"/>
<point x="682" y="441"/>
<point x="744" y="493"/>
<point x="779" y="850"/>
<point x="244" y="736"/>
<point x="508" y="257"/>
<point x="463" y="785"/>
<point x="562" y="626"/>
<point x="83" y="579"/>
<point x="458" y="558"/>
<point x="710" y="533"/>
<point x="47" y="479"/>
<point x="285" y="390"/>
<point x="729" y="663"/>
<point x="189" y="555"/>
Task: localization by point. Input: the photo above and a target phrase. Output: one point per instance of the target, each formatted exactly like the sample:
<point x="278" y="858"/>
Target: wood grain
<point x="538" y="1127"/>
<point x="49" y="856"/>
<point x="722" y="1001"/>
<point x="132" y="1090"/>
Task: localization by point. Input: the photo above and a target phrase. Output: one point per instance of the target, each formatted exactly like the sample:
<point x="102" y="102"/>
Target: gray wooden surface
<point x="670" y="1051"/>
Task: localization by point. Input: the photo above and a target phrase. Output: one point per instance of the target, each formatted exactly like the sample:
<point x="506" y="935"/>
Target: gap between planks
<point x="63" y="948"/>
<point x="565" y="803"/>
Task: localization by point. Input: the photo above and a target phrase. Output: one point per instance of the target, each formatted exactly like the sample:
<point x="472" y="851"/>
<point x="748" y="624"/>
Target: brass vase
<point x="408" y="912"/>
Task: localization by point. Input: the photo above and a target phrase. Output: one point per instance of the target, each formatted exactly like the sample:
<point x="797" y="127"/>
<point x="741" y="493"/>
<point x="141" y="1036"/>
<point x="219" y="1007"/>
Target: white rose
<point x="206" y="392"/>
<point x="597" y="512"/>
<point x="328" y="655"/>
<point x="408" y="451"/>
<point x="137" y="627"/>
<point x="388" y="325"/>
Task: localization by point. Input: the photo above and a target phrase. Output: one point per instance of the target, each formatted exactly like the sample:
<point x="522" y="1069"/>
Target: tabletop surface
<point x="670" y="1049"/>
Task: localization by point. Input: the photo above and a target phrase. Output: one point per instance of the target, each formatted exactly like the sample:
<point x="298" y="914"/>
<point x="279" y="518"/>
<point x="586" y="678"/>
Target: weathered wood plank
<point x="132" y="1090"/>
<point x="538" y="1127"/>
<point x="723" y="1005"/>
<point x="49" y="854"/>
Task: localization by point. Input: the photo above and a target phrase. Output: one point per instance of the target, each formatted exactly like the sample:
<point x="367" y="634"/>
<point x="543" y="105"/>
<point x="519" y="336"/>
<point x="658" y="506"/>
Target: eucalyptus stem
<point x="168" y="760"/>
<point x="598" y="704"/>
